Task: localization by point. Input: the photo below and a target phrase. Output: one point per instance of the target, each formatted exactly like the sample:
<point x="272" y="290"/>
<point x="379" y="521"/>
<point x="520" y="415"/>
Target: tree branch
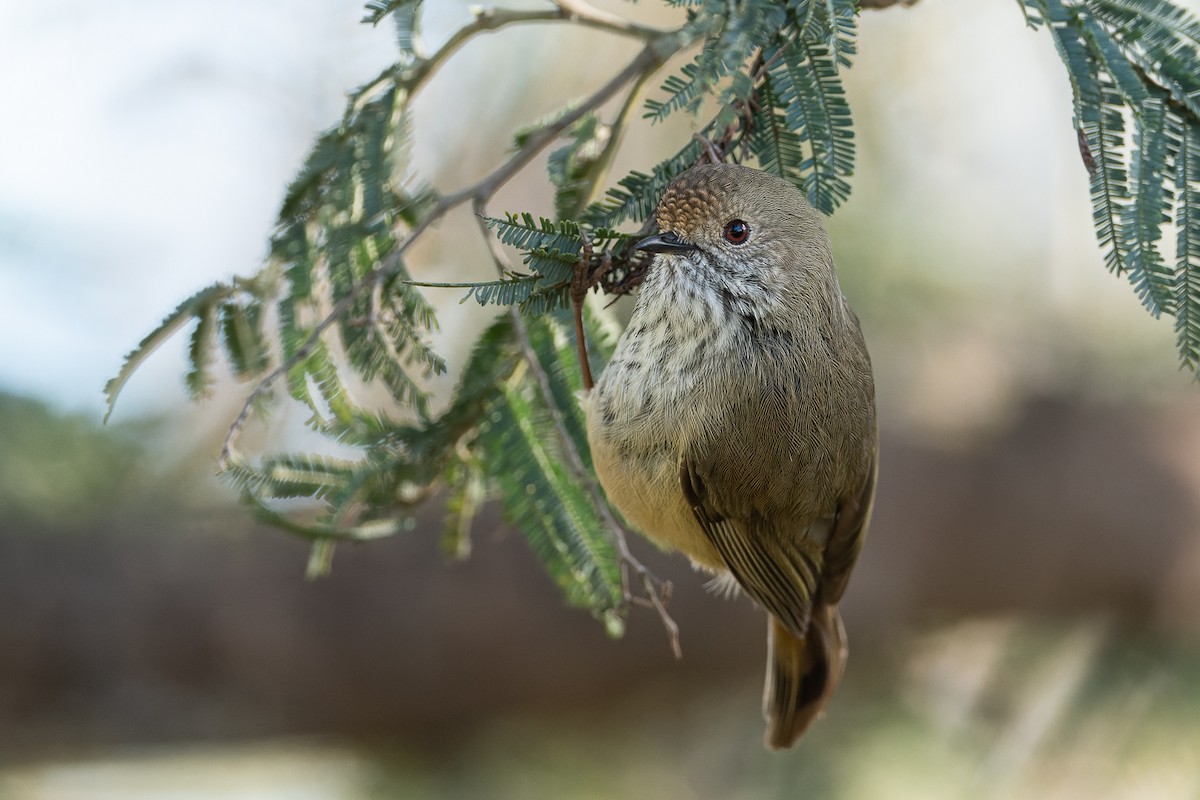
<point x="648" y="58"/>
<point x="486" y="20"/>
<point x="589" y="16"/>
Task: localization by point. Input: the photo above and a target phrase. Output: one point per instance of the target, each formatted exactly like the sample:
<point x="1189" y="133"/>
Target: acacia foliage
<point x="1134" y="67"/>
<point x="336" y="317"/>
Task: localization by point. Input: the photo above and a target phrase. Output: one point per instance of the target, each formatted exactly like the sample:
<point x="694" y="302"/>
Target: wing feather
<point x="777" y="571"/>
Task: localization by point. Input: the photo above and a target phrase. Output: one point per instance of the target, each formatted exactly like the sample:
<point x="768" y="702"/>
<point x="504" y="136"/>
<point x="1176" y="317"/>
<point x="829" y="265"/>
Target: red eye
<point x="736" y="231"/>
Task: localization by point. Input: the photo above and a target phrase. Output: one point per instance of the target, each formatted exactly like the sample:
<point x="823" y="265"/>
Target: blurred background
<point x="1025" y="619"/>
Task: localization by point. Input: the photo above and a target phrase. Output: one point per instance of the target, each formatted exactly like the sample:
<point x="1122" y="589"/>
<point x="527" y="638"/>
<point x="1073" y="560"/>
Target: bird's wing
<point x="779" y="572"/>
<point x="846" y="539"/>
<point x="784" y="570"/>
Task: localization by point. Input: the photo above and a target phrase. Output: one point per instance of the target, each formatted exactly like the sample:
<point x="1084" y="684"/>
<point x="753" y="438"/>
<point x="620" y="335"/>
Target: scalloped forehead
<point x="707" y="194"/>
<point x="695" y="197"/>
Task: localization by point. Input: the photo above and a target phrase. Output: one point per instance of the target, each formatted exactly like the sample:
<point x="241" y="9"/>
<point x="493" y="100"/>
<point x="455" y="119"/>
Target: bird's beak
<point x="664" y="243"/>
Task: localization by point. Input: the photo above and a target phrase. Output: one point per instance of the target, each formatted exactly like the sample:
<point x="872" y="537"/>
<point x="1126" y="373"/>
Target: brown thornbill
<point x="735" y="421"/>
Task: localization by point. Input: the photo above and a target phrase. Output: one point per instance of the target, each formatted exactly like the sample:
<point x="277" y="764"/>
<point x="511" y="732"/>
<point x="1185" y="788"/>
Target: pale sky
<point x="144" y="147"/>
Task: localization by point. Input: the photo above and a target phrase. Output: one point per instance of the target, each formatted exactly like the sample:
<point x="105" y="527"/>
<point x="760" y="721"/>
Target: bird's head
<point x="742" y="230"/>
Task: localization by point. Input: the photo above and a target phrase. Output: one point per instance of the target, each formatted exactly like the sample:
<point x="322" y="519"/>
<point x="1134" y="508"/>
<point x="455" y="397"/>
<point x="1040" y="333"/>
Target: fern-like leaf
<point x="832" y="23"/>
<point x="185" y="312"/>
<point x="525" y="233"/>
<point x="556" y="355"/>
<point x="201" y="347"/>
<point x="777" y="147"/>
<point x="1187" y="246"/>
<point x="636" y="195"/>
<point x="554" y="265"/>
<point x="244" y="339"/>
<point x="1145" y="216"/>
<point x="290" y="476"/>
<point x="687" y="89"/>
<point x="505" y="291"/>
<point x="1104" y="132"/>
<point x="548" y="505"/>
<point x="805" y="76"/>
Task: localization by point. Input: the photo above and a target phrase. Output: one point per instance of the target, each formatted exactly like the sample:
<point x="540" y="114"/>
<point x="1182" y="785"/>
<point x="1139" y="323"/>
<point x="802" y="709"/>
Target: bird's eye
<point x="736" y="231"/>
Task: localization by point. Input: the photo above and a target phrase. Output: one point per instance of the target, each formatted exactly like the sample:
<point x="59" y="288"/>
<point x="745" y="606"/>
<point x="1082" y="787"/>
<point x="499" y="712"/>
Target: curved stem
<point x="589" y="16"/>
<point x="492" y="19"/>
<point x="485" y="20"/>
<point x="617" y="130"/>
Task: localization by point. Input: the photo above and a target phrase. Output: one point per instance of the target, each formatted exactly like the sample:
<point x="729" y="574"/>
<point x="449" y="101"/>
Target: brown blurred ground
<point x="163" y="623"/>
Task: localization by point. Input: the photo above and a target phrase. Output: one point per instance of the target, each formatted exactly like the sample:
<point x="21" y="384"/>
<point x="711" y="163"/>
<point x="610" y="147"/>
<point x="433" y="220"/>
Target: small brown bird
<point x="736" y="419"/>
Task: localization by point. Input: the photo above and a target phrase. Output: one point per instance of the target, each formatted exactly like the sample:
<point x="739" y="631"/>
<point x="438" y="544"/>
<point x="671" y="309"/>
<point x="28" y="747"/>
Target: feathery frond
<point x="778" y="148"/>
<point x="505" y="291"/>
<point x="549" y="507"/>
<point x="201" y="347"/>
<point x="197" y="306"/>
<point x="636" y="195"/>
<point x="1137" y="60"/>
<point x="1150" y="210"/>
<point x="1187" y="245"/>
<point x="806" y="80"/>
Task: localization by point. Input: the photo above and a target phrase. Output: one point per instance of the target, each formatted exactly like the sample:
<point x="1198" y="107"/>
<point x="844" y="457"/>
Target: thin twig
<point x="650" y="583"/>
<point x="709" y="148"/>
<point x="589" y="16"/>
<point x="486" y="20"/>
<point x="491" y="19"/>
<point x="600" y="170"/>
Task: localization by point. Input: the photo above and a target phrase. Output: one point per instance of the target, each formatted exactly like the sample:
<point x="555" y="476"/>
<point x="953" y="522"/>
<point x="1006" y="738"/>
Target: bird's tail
<point x="802" y="674"/>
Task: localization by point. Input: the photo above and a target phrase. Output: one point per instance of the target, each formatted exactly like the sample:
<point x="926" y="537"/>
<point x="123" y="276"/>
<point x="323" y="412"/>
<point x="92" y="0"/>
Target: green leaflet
<point x="636" y="195"/>
<point x="525" y="233"/>
<point x="198" y="306"/>
<point x="549" y="506"/>
<point x="778" y="148"/>
<point x="1138" y="61"/>
<point x="556" y="353"/>
<point x="1105" y="137"/>
<point x="504" y="291"/>
<point x="1187" y="245"/>
<point x="1144" y="218"/>
<point x="201" y="345"/>
<point x="467" y="482"/>
<point x="810" y="93"/>
<point x="244" y="338"/>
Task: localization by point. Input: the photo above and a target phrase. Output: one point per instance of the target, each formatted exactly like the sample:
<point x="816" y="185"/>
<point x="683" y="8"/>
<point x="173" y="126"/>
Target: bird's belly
<point x="638" y="466"/>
